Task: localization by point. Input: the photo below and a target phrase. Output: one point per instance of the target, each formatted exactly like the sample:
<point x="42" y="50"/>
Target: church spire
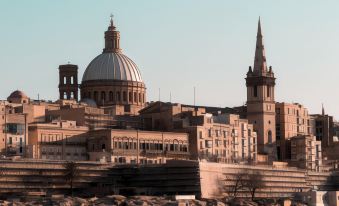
<point x="260" y="65"/>
<point x="322" y="109"/>
<point x="112" y="38"/>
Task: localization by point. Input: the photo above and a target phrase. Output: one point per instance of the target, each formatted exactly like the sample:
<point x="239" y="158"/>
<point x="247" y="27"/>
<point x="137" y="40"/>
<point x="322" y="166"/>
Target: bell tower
<point x="68" y="82"/>
<point x="260" y="82"/>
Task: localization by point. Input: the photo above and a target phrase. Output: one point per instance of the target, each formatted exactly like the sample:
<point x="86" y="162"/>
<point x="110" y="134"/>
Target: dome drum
<point x="114" y="92"/>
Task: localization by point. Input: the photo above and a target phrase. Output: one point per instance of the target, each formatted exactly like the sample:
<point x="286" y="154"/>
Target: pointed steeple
<point x="322" y="109"/>
<point x="112" y="38"/>
<point x="260" y="66"/>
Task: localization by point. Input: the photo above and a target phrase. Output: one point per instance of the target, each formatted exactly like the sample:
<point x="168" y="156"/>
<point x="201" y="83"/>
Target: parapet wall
<point x="278" y="182"/>
<point x="203" y="179"/>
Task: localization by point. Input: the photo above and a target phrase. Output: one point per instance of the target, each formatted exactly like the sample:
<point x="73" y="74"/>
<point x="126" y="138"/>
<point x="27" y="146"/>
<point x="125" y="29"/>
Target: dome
<point x="112" y="66"/>
<point x="89" y="102"/>
<point x="17" y="95"/>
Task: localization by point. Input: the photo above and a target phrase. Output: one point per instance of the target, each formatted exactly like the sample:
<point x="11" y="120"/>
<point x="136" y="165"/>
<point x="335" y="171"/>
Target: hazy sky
<point x="178" y="44"/>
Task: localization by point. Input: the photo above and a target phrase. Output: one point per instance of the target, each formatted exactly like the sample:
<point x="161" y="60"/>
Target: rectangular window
<point x="268" y="91"/>
<point x="255" y="91"/>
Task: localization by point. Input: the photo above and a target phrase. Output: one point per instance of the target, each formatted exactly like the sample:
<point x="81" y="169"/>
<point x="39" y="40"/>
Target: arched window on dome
<point x="139" y="97"/>
<point x="95" y="95"/>
<point x="124" y="96"/>
<point x="135" y="97"/>
<point x="118" y="96"/>
<point x="103" y="96"/>
<point x="130" y="97"/>
<point x="111" y="96"/>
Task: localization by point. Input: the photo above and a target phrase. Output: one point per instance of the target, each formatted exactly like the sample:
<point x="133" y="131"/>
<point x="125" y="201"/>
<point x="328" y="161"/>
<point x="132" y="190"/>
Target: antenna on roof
<point x="159" y="94"/>
<point x="194" y="95"/>
<point x="170" y="97"/>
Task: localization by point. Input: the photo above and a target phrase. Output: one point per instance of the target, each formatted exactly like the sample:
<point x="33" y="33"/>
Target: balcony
<point x="122" y="152"/>
<point x="177" y="154"/>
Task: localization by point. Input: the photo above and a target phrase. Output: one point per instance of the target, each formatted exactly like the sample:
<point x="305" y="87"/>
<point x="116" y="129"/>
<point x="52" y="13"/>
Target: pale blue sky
<point x="177" y="45"/>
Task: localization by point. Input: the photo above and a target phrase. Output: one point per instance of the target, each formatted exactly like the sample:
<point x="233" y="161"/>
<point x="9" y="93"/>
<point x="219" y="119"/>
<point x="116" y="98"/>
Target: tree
<point x="71" y="173"/>
<point x="237" y="183"/>
<point x="253" y="182"/>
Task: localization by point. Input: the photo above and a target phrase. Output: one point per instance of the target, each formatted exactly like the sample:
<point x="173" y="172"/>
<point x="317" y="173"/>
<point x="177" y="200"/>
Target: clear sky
<point x="178" y="44"/>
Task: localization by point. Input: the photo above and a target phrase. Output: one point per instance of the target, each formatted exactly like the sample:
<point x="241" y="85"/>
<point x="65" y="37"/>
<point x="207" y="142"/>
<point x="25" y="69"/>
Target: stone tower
<point x="260" y="84"/>
<point x="68" y="81"/>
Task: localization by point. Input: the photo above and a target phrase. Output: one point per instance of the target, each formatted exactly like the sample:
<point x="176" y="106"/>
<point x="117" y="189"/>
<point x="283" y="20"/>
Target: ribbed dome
<point x="112" y="66"/>
<point x="18" y="95"/>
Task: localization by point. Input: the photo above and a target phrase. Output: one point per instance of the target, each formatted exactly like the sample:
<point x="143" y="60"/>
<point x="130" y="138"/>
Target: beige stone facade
<point x="136" y="146"/>
<point x="292" y="119"/>
<point x="59" y="140"/>
<point x="305" y="152"/>
<point x="216" y="137"/>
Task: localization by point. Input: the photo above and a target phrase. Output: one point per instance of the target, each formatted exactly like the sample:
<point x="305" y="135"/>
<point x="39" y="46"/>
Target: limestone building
<point x="260" y="82"/>
<point x="214" y="134"/>
<point x="137" y="147"/>
<point x="305" y="152"/>
<point x="292" y="119"/>
<point x="59" y="140"/>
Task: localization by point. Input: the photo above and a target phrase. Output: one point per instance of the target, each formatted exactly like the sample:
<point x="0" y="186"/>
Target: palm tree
<point x="71" y="173"/>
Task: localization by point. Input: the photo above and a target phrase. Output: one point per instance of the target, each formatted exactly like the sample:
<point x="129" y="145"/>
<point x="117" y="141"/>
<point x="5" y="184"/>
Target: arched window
<point x="103" y="96"/>
<point x="72" y="95"/>
<point x="95" y="95"/>
<point x="255" y="91"/>
<point x="65" y="95"/>
<point x="118" y="96"/>
<point x="72" y="80"/>
<point x="130" y="98"/>
<point x="139" y="97"/>
<point x="269" y="136"/>
<point x="89" y="95"/>
<point x="135" y="97"/>
<point x="124" y="96"/>
<point x="65" y="80"/>
<point x="111" y="96"/>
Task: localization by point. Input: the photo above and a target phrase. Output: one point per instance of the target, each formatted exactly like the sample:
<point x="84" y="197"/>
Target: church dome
<point x="18" y="95"/>
<point x="112" y="66"/>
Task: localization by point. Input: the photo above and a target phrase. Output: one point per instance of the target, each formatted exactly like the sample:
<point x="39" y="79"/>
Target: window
<point x="103" y="96"/>
<point x="269" y="134"/>
<point x="118" y="96"/>
<point x="111" y="96"/>
<point x="130" y="98"/>
<point x="255" y="91"/>
<point x="95" y="95"/>
<point x="135" y="97"/>
<point x="124" y="96"/>
<point x="268" y="91"/>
